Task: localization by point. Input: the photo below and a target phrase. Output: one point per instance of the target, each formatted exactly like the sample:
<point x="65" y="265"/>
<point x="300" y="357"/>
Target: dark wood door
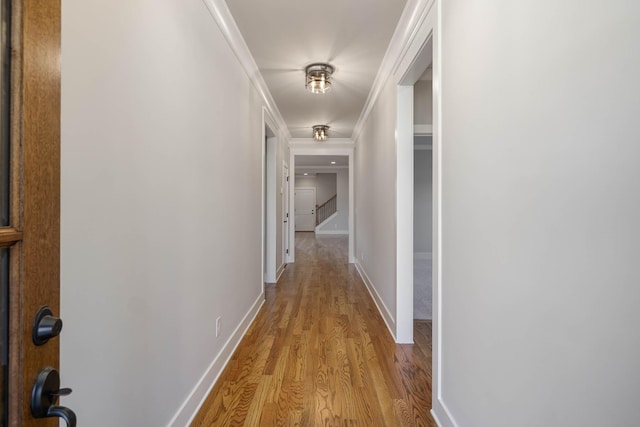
<point x="30" y="170"/>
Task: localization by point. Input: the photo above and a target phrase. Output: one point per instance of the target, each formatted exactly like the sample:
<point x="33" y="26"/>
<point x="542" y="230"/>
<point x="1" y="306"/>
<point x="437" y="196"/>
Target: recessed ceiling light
<point x="305" y="174"/>
<point x="333" y="163"/>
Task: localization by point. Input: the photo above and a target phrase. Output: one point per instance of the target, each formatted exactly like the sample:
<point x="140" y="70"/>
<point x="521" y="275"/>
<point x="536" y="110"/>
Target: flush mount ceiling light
<point x="320" y="132"/>
<point x="318" y="77"/>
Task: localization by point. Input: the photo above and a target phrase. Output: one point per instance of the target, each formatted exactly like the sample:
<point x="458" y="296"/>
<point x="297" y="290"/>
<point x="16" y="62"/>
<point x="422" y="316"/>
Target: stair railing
<point x="326" y="209"/>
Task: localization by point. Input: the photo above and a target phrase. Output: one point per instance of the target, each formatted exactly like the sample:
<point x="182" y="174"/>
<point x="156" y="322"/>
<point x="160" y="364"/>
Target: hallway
<point x="319" y="354"/>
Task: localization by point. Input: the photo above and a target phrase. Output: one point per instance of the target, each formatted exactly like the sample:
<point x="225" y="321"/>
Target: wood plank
<point x="35" y="193"/>
<point x="320" y="354"/>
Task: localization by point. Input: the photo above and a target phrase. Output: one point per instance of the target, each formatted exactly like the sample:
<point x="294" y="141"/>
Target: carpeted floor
<point x="422" y="295"/>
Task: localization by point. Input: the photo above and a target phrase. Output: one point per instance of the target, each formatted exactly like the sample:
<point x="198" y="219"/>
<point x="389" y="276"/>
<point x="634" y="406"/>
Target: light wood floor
<point x="319" y="354"/>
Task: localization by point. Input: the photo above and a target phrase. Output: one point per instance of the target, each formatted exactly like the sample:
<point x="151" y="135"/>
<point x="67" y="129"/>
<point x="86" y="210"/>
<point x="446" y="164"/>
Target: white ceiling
<point x="320" y="164"/>
<point x="284" y="36"/>
<point x="321" y="160"/>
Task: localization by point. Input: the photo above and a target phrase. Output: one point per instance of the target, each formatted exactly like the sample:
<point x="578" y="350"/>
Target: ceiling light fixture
<point x="318" y="77"/>
<point x="333" y="163"/>
<point x="320" y="132"/>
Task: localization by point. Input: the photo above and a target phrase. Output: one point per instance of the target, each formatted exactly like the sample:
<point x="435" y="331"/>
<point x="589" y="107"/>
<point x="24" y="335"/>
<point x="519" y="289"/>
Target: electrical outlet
<point x="218" y="326"/>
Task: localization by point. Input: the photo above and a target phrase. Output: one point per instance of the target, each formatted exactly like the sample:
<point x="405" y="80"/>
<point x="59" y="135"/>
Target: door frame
<point x="269" y="222"/>
<point x="286" y="218"/>
<point x="34" y="235"/>
<point x="427" y="28"/>
<point x="309" y="147"/>
<point x="404" y="190"/>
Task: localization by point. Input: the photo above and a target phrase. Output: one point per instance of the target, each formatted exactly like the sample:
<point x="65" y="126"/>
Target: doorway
<point x="334" y="159"/>
<point x="269" y="205"/>
<point x="405" y="196"/>
<point x="423" y="197"/>
<point x="328" y="177"/>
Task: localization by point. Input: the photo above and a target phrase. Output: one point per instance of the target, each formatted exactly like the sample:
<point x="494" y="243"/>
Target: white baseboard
<point x="280" y="271"/>
<point x="332" y="231"/>
<point x="329" y="218"/>
<point x="382" y="308"/>
<point x="196" y="398"/>
<point x="441" y="414"/>
<point x="422" y="255"/>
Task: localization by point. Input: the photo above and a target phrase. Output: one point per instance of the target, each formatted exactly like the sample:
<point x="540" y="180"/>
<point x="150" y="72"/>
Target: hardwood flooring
<point x="319" y="354"/>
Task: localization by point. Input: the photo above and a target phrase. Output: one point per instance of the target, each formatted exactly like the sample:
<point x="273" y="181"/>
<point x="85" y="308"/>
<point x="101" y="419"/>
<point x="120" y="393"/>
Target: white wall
<point x="324" y="183"/>
<point x="339" y="224"/>
<point x="152" y="142"/>
<point x="305" y="181"/>
<point x="326" y="187"/>
<point x="540" y="208"/>
<point x="375" y="179"/>
<point x="423" y="102"/>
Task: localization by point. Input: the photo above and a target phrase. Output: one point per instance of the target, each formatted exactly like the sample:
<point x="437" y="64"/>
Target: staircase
<point x="326" y="209"/>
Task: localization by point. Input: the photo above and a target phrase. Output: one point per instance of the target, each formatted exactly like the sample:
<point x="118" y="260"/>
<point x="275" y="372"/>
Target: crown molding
<point x="319" y="169"/>
<point x="410" y="21"/>
<point x="331" y="142"/>
<point x="222" y="16"/>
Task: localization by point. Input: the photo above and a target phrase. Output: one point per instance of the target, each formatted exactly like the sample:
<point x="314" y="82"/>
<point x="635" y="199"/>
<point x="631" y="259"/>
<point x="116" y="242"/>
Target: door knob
<point x="45" y="326"/>
<point x="44" y="394"/>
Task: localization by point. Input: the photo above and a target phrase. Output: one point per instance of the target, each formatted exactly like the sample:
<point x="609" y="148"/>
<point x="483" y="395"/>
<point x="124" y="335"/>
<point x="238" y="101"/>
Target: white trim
<point x="310" y="142"/>
<point x="382" y="308"/>
<point x="412" y="16"/>
<point x="269" y="155"/>
<point x="441" y="414"/>
<point x="270" y="211"/>
<point x="344" y="150"/>
<point x="320" y="168"/>
<point x="280" y="271"/>
<point x="404" y="214"/>
<point x="222" y="15"/>
<point x="352" y="210"/>
<point x="333" y="215"/>
<point x="439" y="407"/>
<point x="292" y="206"/>
<point x="190" y="407"/>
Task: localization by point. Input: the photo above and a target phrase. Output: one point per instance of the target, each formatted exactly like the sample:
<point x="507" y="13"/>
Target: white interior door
<point x="285" y="212"/>
<point x="305" y="205"/>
